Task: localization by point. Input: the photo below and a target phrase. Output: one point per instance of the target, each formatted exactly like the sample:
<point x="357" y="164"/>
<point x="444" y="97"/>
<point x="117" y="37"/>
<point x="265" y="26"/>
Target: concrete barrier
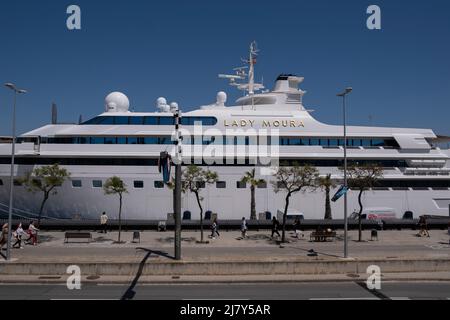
<point x="334" y="266"/>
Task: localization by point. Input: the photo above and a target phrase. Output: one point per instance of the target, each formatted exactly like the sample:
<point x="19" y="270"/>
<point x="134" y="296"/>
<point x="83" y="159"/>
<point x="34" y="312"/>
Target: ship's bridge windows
<point x="150" y="120"/>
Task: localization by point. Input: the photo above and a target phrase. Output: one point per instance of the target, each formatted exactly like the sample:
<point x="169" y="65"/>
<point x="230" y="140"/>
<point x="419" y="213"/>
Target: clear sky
<point x="146" y="49"/>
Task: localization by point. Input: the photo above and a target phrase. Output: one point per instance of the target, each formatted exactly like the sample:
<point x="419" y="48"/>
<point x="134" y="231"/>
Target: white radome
<point x="117" y="102"/>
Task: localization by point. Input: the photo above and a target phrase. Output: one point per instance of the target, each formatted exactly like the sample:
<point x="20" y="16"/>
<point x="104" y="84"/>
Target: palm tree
<point x="115" y="185"/>
<point x="326" y="183"/>
<point x="249" y="177"/>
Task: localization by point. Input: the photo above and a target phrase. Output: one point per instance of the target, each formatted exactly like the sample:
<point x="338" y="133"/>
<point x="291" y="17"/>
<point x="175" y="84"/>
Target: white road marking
<point x="343" y="298"/>
<point x="400" y="298"/>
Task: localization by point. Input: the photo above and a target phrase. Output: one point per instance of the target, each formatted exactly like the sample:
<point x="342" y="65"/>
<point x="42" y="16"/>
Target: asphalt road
<point x="263" y="291"/>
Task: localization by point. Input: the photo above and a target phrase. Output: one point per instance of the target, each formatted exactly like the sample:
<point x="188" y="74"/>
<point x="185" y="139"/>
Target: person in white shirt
<point x="32" y="232"/>
<point x="18" y="235"/>
<point x="104" y="222"/>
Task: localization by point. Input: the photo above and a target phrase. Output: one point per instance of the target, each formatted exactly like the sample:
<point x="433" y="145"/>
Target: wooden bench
<point x="77" y="235"/>
<point x="322" y="236"/>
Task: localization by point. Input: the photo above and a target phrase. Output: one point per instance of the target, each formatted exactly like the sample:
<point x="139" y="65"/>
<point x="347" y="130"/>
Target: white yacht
<point x="128" y="144"/>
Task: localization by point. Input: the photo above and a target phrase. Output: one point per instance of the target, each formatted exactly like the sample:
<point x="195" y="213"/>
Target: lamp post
<point x="177" y="191"/>
<point x="343" y="94"/>
<point x="11" y="183"/>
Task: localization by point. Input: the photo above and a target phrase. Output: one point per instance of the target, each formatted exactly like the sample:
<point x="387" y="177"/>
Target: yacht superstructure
<point x="228" y="140"/>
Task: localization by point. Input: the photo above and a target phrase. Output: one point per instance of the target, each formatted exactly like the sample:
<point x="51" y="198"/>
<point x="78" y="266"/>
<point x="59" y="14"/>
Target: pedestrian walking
<point x="423" y="227"/>
<point x="296" y="225"/>
<point x="104" y="222"/>
<point x="18" y="234"/>
<point x="4" y="235"/>
<point x="275" y="225"/>
<point x="32" y="232"/>
<point x="244" y="228"/>
<point x="214" y="229"/>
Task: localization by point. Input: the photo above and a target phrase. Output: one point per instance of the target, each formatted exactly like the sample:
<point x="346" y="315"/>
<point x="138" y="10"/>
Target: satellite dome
<point x="116" y="102"/>
<point x="221" y="98"/>
<point x="161" y="104"/>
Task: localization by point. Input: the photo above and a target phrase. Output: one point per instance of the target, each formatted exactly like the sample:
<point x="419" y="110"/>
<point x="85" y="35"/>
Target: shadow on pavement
<point x="130" y="293"/>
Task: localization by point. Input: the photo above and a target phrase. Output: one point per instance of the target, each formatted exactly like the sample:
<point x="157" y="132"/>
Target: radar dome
<point x="221" y="98"/>
<point x="116" y="102"/>
<point x="161" y="104"/>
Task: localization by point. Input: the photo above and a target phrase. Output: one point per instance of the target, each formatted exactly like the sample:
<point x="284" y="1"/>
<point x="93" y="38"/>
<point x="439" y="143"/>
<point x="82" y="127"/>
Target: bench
<point x="77" y="235"/>
<point x="322" y="236"/>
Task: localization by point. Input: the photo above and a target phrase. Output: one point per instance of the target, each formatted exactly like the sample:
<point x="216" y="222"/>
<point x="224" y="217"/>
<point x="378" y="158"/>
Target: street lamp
<point x="177" y="191"/>
<point x="11" y="183"/>
<point x="343" y="94"/>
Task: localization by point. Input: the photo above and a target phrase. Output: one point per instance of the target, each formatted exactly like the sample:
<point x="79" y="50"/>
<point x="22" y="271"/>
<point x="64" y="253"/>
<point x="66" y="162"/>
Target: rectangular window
<point x="151" y="140"/>
<point x="138" y="184"/>
<point x="136" y="120"/>
<point x="200" y="184"/>
<point x="120" y="120"/>
<point x="221" y="184"/>
<point x="159" y="184"/>
<point x="151" y="120"/>
<point x="281" y="185"/>
<point x="122" y="140"/>
<point x="333" y="142"/>
<point x="1" y="182"/>
<point x="97" y="140"/>
<point x="168" y="121"/>
<point x="97" y="183"/>
<point x="110" y="140"/>
<point x="262" y="185"/>
<point x="241" y="185"/>
<point x="132" y="140"/>
<point x="76" y="183"/>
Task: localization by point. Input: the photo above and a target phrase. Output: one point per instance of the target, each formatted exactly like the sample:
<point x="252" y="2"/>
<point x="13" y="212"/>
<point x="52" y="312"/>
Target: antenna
<point x="54" y="113"/>
<point x="241" y="74"/>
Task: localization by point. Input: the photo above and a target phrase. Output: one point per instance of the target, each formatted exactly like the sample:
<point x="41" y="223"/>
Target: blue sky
<point x="147" y="49"/>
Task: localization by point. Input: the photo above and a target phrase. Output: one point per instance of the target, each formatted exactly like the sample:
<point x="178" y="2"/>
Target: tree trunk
<point x="283" y="234"/>
<point x="252" y="203"/>
<point x="201" y="215"/>
<point x="327" y="203"/>
<point x="41" y="209"/>
<point x="120" y="215"/>
<point x="359" y="215"/>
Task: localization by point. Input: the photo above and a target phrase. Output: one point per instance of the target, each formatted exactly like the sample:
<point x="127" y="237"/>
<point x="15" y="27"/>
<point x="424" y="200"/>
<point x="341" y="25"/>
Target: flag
<point x="342" y="190"/>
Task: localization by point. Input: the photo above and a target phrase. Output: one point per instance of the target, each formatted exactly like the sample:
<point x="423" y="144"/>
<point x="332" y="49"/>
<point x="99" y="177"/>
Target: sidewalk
<point x="229" y="255"/>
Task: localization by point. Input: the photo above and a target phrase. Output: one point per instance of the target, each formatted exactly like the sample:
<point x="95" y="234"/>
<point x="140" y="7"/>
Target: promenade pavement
<point x="231" y="247"/>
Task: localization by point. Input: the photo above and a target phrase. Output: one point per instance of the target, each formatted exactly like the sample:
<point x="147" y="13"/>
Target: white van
<point x="380" y="213"/>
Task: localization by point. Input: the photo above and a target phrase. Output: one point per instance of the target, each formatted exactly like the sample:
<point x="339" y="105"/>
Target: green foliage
<point x="364" y="176"/>
<point x="295" y="178"/>
<point x="114" y="185"/>
<point x="195" y="178"/>
<point x="45" y="179"/>
<point x="249" y="177"/>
